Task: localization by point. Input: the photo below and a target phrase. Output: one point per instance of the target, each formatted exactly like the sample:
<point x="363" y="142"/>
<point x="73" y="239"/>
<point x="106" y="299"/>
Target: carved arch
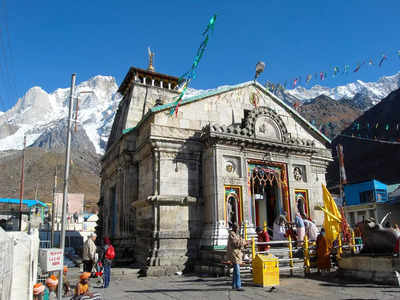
<point x="274" y="120"/>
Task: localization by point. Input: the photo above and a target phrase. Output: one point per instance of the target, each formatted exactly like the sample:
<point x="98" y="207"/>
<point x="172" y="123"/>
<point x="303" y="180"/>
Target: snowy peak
<point x="38" y="112"/>
<point x="373" y="90"/>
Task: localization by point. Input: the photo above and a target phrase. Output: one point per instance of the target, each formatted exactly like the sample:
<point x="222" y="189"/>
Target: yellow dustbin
<point x="266" y="270"/>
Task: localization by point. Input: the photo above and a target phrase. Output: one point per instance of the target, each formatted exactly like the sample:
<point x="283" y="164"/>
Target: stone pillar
<point x="215" y="233"/>
<point x="247" y="201"/>
<point x="163" y="233"/>
<point x="161" y="84"/>
<point x="169" y="85"/>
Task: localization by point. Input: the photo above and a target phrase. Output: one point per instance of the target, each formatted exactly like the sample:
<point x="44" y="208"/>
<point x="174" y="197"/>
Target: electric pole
<point x="36" y="190"/>
<point x="53" y="208"/>
<point x="21" y="187"/>
<point x="66" y="177"/>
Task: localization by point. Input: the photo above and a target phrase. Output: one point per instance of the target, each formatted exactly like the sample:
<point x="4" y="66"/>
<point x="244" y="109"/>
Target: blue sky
<point x="44" y="42"/>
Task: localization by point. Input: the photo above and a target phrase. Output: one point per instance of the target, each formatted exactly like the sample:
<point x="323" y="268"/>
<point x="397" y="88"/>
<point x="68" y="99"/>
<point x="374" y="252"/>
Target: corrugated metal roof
<point x="28" y="203"/>
<point x="392" y="187"/>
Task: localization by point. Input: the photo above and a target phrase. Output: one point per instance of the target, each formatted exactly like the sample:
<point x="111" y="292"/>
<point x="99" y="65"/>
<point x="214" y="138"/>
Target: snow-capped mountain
<point x="39" y="112"/>
<point x="375" y="91"/>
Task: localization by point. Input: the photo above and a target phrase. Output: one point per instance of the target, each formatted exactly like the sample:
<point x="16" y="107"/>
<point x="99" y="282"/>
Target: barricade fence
<point x="308" y="258"/>
<point x="296" y="255"/>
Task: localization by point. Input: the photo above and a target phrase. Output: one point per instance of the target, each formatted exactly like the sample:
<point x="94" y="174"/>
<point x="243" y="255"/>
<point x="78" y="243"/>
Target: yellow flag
<point x="332" y="216"/>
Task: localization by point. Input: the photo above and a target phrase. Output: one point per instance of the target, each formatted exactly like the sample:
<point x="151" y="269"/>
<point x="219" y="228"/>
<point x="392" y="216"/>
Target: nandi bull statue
<point x="376" y="238"/>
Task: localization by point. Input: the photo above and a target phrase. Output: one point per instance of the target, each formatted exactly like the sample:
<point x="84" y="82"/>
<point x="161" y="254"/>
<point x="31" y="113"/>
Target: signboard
<point x="51" y="259"/>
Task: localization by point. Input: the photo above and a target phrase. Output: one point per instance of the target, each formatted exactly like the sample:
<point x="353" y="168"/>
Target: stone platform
<point x="378" y="269"/>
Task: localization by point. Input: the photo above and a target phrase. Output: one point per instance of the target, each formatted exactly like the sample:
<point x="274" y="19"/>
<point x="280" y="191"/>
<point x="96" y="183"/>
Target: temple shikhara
<point x="173" y="184"/>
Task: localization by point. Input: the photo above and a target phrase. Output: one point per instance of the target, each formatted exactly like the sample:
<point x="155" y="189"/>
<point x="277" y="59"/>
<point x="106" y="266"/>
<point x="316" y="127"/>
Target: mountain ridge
<point x="39" y="112"/>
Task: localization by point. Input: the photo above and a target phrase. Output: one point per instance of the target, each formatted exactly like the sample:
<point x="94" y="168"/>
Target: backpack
<point x="110" y="253"/>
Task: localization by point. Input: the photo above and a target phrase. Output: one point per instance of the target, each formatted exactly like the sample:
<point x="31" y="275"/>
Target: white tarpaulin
<point x="6" y="265"/>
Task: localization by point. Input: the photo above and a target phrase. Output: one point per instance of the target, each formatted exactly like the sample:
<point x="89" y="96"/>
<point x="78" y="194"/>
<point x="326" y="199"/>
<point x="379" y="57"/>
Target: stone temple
<point x="172" y="185"/>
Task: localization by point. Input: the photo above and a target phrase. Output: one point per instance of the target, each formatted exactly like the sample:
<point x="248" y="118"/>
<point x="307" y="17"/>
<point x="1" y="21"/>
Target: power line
<point x="370" y="140"/>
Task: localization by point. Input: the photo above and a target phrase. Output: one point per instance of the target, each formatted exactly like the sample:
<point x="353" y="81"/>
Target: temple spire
<point x="151" y="55"/>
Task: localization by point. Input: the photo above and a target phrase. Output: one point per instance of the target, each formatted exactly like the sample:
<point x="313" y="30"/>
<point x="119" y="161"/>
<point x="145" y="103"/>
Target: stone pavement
<point x="196" y="287"/>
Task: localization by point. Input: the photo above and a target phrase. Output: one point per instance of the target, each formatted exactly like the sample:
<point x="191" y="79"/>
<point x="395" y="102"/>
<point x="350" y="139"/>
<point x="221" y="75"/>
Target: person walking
<point x="89" y="253"/>
<point x="235" y="255"/>
<point x="109" y="255"/>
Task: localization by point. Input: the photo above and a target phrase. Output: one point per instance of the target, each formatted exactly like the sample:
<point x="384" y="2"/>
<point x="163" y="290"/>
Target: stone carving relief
<point x="267" y="129"/>
<point x="299" y="173"/>
<point x="231" y="166"/>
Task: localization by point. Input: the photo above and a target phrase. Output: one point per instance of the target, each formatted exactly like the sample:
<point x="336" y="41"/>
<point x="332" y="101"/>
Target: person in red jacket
<point x="109" y="255"/>
<point x="263" y="237"/>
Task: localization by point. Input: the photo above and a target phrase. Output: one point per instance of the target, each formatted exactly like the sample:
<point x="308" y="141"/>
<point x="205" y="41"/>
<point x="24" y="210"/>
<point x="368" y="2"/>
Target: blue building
<point x="32" y="210"/>
<point x="366" y="192"/>
<point x="369" y="199"/>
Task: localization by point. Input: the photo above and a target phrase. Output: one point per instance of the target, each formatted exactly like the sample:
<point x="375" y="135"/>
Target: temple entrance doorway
<point x="269" y="196"/>
<point x="267" y="202"/>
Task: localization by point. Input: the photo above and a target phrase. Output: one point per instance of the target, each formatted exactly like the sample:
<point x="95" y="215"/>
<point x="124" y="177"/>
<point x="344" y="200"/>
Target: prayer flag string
<point x="333" y="73"/>
<point x="187" y="77"/>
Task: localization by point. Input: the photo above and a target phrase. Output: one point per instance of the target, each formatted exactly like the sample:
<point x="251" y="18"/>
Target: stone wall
<point x="143" y="97"/>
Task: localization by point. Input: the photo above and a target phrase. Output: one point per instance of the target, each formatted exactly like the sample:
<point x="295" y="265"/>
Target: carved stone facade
<point x="173" y="185"/>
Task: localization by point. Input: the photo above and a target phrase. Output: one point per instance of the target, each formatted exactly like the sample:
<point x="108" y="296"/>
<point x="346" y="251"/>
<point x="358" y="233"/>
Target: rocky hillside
<point x="39" y="169"/>
<point x="371" y="144"/>
<point x="328" y="115"/>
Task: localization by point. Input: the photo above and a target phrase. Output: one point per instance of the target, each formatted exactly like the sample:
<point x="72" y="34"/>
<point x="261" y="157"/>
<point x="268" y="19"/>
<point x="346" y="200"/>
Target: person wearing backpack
<point x="109" y="255"/>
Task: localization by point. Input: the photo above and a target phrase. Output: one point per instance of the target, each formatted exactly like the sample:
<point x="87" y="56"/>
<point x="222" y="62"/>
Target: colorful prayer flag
<point x="321" y="75"/>
<point x="335" y="71"/>
<point x="294" y="82"/>
<point x="309" y="77"/>
<point x="357" y="68"/>
<point x="346" y="69"/>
